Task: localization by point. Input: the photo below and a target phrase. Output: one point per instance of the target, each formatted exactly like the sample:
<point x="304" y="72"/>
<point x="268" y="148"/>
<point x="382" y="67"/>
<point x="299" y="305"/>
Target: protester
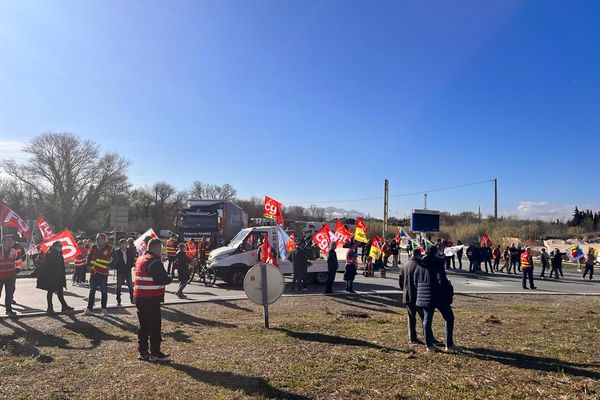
<point x="449" y="259"/>
<point x="545" y="260"/>
<point x="459" y="254"/>
<point x="149" y="292"/>
<point x="514" y="259"/>
<point x="171" y="250"/>
<point x="80" y="265"/>
<point x="526" y="259"/>
<point x="520" y="251"/>
<point x="486" y="252"/>
<point x="182" y="264"/>
<point x="99" y="261"/>
<point x="434" y="291"/>
<point x="471" y="256"/>
<point x="556" y="264"/>
<point x="506" y="257"/>
<point x="395" y="249"/>
<point x="123" y="262"/>
<point x="590" y="259"/>
<point x="386" y="253"/>
<point x="52" y="277"/>
<point x="300" y="262"/>
<point x="409" y="294"/>
<point x="350" y="272"/>
<point x="8" y="272"/>
<point x="332" y="267"/>
<point x="497" y="254"/>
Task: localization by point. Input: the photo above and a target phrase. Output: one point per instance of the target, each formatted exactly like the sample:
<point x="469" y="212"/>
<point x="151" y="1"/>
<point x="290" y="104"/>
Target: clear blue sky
<point x="320" y="100"/>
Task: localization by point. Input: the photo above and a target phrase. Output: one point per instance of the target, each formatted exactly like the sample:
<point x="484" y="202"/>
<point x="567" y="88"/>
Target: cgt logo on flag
<point x="272" y="210"/>
<point x="360" y="233"/>
<point x="342" y="234"/>
<point x="12" y="219"/>
<point x="44" y="228"/>
<point x="70" y="249"/>
<point x="322" y="239"/>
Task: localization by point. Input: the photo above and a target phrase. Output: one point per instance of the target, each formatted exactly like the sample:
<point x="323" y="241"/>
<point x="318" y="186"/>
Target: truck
<point x="231" y="262"/>
<point x="221" y="220"/>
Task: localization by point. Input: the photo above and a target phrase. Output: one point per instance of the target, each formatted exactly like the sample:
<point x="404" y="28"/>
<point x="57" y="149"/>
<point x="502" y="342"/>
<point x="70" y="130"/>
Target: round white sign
<point x="253" y="284"/>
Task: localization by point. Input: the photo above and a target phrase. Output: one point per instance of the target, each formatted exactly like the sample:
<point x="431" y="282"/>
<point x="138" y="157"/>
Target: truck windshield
<point x="208" y="222"/>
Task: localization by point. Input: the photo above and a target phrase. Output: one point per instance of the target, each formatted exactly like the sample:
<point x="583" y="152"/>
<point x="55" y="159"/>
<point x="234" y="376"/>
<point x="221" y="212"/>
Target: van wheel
<point x="237" y="277"/>
<point x="320" y="277"/>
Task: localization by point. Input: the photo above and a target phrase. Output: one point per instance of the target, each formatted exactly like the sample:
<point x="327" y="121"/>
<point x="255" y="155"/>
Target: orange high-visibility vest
<point x="525" y="260"/>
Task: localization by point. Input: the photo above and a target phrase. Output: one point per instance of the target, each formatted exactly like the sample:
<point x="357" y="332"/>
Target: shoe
<point x="415" y="342"/>
<point x="525" y="287"/>
<point x="432" y="349"/>
<point x="583" y="278"/>
<point x="160" y="357"/>
<point x="105" y="312"/>
<point x="438" y="343"/>
<point x="452" y="349"/>
<point x="86" y="312"/>
<point x="119" y="303"/>
<point x="534" y="287"/>
<point x="182" y="296"/>
<point x="67" y="309"/>
<point x="50" y="311"/>
<point x="143" y="357"/>
<point x="11" y="314"/>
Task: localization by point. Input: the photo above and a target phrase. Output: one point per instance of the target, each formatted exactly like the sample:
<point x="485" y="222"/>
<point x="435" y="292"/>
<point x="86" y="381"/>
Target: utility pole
<point x="385" y="206"/>
<point x="425" y="198"/>
<point x="479" y="216"/>
<point x="495" y="199"/>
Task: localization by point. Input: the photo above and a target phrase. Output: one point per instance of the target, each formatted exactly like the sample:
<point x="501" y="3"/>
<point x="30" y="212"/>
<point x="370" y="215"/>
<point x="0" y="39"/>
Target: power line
<point x="395" y="195"/>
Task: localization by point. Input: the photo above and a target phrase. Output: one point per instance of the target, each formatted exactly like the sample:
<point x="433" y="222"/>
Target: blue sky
<point x="320" y="100"/>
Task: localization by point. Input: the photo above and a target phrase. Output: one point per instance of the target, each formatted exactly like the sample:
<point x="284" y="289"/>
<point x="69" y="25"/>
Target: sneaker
<point x="119" y="303"/>
<point x="67" y="309"/>
<point x="143" y="357"/>
<point x="525" y="287"/>
<point x="105" y="312"/>
<point x="534" y="287"/>
<point x="87" y="311"/>
<point x="432" y="349"/>
<point x="11" y="314"/>
<point x="182" y="296"/>
<point x="160" y="357"/>
<point x="452" y="349"/>
<point x="50" y="311"/>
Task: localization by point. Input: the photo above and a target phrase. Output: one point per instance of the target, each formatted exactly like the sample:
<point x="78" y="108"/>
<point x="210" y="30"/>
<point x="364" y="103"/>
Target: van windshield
<point x="239" y="238"/>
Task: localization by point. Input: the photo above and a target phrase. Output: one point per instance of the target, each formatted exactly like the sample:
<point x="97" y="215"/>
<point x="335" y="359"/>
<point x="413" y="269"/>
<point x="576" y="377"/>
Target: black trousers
<point x="59" y="294"/>
<point x="528" y="274"/>
<point x="9" y="284"/>
<point x="171" y="265"/>
<point x="590" y="269"/>
<point x="148" y="311"/>
<point x="330" y="280"/>
<point x="544" y="267"/>
<point x="412" y="312"/>
<point x="124" y="277"/>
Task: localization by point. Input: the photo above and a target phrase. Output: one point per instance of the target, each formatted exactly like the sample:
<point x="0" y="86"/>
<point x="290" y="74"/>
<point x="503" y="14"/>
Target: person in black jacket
<point x="434" y="291"/>
<point x="459" y="254"/>
<point x="123" y="261"/>
<point x="182" y="264"/>
<point x="556" y="261"/>
<point x="51" y="277"/>
<point x="332" y="267"/>
<point x="409" y="294"/>
<point x="471" y="250"/>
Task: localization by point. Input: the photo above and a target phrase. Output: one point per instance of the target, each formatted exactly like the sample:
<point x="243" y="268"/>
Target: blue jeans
<point x="447" y="314"/>
<point x="95" y="281"/>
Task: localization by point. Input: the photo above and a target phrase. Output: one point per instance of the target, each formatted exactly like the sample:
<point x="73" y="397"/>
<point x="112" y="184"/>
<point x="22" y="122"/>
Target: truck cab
<point x="231" y="262"/>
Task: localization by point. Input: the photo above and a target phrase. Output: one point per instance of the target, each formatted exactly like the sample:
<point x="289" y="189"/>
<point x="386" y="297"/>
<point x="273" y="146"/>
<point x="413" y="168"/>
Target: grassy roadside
<point x="516" y="347"/>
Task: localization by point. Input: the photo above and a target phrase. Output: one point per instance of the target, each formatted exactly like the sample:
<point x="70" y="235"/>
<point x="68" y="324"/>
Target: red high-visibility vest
<point x="190" y="248"/>
<point x="144" y="285"/>
<point x="100" y="260"/>
<point x="171" y="248"/>
<point x="81" y="260"/>
<point x="525" y="260"/>
<point x="7" y="263"/>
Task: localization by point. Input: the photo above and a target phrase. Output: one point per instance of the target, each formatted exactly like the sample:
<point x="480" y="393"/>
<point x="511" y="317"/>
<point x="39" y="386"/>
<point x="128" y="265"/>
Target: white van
<point x="231" y="262"/>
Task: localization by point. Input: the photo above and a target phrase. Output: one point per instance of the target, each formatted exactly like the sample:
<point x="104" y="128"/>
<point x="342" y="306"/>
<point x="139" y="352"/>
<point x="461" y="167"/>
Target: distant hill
<point x="333" y="212"/>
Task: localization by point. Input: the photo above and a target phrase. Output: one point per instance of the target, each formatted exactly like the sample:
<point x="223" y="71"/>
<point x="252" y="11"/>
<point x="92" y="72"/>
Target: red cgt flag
<point x="266" y="253"/>
<point x="70" y="249"/>
<point x="322" y="239"/>
<point x="11" y="219"/>
<point x="342" y="234"/>
<point x="273" y="210"/>
<point x="361" y="224"/>
<point x="44" y="228"/>
<point x="485" y="240"/>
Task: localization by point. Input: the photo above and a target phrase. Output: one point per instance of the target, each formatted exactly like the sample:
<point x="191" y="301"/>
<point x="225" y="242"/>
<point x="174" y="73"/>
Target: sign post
<point x="119" y="218"/>
<point x="264" y="284"/>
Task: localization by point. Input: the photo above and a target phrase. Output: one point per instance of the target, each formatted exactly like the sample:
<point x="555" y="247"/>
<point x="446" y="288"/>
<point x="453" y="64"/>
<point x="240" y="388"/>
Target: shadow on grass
<point x="232" y="305"/>
<point x="178" y="336"/>
<point x="353" y="303"/>
<point x="174" y="315"/>
<point x="332" y="339"/>
<point x="91" y="332"/>
<point x="249" y="385"/>
<point x="526" y="361"/>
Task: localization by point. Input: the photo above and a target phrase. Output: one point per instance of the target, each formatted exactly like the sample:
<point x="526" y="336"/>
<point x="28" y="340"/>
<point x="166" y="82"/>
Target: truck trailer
<point x="220" y="220"/>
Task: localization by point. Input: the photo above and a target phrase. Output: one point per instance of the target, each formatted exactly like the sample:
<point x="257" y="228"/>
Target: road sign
<point x="119" y="217"/>
<point x="254" y="288"/>
<point x="425" y="221"/>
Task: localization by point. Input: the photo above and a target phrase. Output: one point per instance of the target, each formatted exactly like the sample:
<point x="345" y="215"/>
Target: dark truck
<point x="218" y="219"/>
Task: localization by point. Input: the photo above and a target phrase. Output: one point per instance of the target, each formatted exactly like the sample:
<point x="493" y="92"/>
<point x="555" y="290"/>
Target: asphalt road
<point x="31" y="300"/>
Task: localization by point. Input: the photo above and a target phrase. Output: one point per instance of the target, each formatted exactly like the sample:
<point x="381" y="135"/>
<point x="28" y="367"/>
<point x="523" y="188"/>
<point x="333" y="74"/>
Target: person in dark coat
<point x="182" y="264"/>
<point x="556" y="261"/>
<point x="459" y="254"/>
<point x="123" y="262"/>
<point x="434" y="291"/>
<point x="332" y="267"/>
<point x="471" y="257"/>
<point x="300" y="262"/>
<point x="409" y="294"/>
<point x="351" y="268"/>
<point x="52" y="277"/>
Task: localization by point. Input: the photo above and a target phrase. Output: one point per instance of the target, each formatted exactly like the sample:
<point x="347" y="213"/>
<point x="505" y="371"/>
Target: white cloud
<point x="12" y="149"/>
<point x="544" y="210"/>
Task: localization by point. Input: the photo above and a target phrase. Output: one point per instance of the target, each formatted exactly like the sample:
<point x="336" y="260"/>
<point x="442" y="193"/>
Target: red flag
<point x="342" y="234"/>
<point x="44" y="228"/>
<point x="397" y="237"/>
<point x="361" y="224"/>
<point x="485" y="240"/>
<point x="10" y="218"/>
<point x="291" y="245"/>
<point x="266" y="254"/>
<point x="322" y="239"/>
<point x="70" y="249"/>
<point x="273" y="210"/>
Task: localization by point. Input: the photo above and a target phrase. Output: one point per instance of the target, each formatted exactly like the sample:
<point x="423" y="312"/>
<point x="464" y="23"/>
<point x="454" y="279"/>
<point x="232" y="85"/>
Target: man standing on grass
<point x="149" y="292"/>
<point x="409" y="294"/>
<point x="8" y="272"/>
<point x="527" y="267"/>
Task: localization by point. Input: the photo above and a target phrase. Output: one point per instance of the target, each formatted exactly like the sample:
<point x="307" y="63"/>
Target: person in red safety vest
<point x="8" y="272"/>
<point x="148" y="292"/>
<point x="526" y="259"/>
<point x="99" y="263"/>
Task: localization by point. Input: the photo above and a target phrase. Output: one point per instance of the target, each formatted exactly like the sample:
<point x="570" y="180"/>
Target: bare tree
<point x="70" y="177"/>
<point x="201" y="190"/>
<point x="315" y="213"/>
